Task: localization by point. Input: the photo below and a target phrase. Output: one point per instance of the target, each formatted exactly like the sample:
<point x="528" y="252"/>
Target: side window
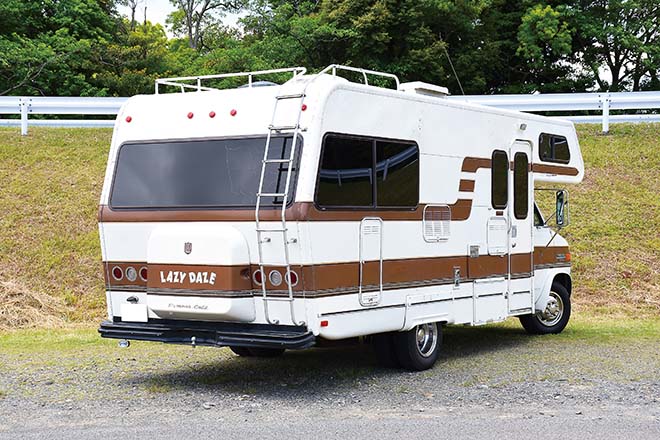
<point x="346" y="174"/>
<point x="499" y="179"/>
<point x="520" y="185"/>
<point x="554" y="148"/>
<point x="397" y="174"/>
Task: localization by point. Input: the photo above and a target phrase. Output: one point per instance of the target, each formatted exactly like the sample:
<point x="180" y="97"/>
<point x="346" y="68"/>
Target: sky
<point x="158" y="10"/>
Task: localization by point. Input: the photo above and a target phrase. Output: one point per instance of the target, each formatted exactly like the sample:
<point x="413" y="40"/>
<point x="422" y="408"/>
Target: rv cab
<point x="272" y="217"/>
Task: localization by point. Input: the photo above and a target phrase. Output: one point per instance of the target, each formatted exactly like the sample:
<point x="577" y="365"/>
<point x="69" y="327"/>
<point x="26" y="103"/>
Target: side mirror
<point x="561" y="208"/>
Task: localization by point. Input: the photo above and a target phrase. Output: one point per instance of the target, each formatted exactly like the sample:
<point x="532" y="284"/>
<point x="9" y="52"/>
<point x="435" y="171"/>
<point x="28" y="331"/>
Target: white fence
<point x="556" y="102"/>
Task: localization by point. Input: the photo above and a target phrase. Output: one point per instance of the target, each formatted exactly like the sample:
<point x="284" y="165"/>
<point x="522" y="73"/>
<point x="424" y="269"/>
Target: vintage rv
<point x="276" y="217"/>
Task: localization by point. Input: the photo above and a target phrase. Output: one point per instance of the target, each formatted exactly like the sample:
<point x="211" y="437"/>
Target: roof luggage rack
<point x="184" y="82"/>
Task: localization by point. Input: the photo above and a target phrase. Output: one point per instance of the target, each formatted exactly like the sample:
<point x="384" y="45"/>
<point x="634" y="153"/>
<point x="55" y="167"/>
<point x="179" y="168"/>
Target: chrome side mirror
<point x="561" y="208"/>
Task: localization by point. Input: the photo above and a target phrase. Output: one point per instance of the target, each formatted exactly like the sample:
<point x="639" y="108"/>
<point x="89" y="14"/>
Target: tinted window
<point x="198" y="173"/>
<point x="520" y="186"/>
<point x="554" y="148"/>
<point x="346" y="174"/>
<point x="499" y="179"/>
<point x="397" y="171"/>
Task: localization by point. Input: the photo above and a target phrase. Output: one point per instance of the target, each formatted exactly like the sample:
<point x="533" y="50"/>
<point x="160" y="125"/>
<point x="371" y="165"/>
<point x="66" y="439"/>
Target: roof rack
<point x="182" y="82"/>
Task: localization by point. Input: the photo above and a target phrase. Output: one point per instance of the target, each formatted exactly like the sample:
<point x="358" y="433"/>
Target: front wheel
<point x="555" y="316"/>
<point x="418" y="349"/>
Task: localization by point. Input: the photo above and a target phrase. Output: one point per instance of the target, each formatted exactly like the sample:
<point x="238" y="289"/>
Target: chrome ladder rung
<point x="283" y="127"/>
<point x="271" y="194"/>
<point x="272" y="230"/>
<point x="292" y="96"/>
<point x="277" y="161"/>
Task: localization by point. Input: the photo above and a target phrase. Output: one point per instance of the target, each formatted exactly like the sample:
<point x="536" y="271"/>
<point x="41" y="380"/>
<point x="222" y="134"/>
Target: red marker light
<point x="117" y="273"/>
<point x="258" y="277"/>
<point x="143" y="273"/>
<point x="304" y="107"/>
<point x="233" y="112"/>
<point x="190" y="115"/>
<point x="212" y="115"/>
<point x="128" y="119"/>
<point x="324" y="323"/>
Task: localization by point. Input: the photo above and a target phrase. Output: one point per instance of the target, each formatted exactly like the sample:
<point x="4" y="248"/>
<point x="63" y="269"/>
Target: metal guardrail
<point x="555" y="102"/>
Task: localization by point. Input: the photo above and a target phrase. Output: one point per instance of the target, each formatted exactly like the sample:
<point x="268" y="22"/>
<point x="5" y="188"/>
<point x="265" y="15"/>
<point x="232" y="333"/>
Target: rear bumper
<point x="210" y="333"/>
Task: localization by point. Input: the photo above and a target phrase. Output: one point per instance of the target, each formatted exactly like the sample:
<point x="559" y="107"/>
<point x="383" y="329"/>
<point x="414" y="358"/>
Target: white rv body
<point x="451" y="258"/>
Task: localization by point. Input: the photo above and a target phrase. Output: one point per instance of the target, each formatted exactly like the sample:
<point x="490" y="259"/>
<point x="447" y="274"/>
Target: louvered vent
<point x="436" y="222"/>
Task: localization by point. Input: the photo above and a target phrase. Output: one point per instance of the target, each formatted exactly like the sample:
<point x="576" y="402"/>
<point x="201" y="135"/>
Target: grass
<point x="50" y="183"/>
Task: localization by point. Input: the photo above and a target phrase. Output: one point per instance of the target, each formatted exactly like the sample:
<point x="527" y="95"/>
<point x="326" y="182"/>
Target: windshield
<point x="199" y="173"/>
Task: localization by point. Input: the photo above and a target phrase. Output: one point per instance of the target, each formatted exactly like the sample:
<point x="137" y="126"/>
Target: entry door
<point x="521" y="220"/>
<point x="371" y="261"/>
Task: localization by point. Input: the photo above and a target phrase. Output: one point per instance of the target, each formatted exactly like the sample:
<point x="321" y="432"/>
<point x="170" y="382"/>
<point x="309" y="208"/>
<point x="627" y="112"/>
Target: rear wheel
<point x="555" y="316"/>
<point x="418" y="349"/>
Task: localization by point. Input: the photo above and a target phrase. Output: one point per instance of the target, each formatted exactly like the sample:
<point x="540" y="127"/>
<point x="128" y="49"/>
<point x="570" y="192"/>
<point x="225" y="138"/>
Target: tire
<point x="418" y="349"/>
<point x="555" y="316"/>
<point x="266" y="352"/>
<point x="241" y="351"/>
<point x="383" y="344"/>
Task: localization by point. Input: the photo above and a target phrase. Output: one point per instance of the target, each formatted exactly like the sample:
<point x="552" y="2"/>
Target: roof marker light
<point x="324" y="323"/>
<point x="212" y="114"/>
<point x="190" y="115"/>
<point x="233" y="112"/>
<point x="128" y="119"/>
<point x="304" y="107"/>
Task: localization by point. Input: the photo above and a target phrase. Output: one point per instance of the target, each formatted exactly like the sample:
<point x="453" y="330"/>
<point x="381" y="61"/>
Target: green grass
<point x="51" y="182"/>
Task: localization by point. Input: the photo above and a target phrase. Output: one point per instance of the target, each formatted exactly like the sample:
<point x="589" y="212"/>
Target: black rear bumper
<point x="217" y="334"/>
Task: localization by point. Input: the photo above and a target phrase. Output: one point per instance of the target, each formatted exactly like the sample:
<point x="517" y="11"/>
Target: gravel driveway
<point x="491" y="382"/>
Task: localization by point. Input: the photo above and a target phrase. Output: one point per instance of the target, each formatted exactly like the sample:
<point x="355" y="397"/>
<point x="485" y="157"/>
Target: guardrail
<point x="555" y="102"/>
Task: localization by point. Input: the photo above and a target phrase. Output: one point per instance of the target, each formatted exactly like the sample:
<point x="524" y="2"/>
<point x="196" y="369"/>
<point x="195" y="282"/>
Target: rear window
<point x="199" y="173"/>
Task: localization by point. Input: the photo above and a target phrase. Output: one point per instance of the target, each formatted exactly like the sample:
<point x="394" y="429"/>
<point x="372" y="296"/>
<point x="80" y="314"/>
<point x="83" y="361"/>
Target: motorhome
<point x="269" y="217"/>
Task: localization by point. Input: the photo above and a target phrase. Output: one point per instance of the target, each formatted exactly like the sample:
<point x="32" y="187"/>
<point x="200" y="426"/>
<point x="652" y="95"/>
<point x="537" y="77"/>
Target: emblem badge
<point x="187" y="247"/>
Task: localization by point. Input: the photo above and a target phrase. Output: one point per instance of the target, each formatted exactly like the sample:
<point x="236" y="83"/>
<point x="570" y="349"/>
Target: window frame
<point x="374" y="187"/>
<point x="492" y="180"/>
<point x="293" y="183"/>
<point x="553" y="158"/>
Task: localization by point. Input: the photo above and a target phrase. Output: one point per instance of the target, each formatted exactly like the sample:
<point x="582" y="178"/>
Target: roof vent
<point x="422" y="88"/>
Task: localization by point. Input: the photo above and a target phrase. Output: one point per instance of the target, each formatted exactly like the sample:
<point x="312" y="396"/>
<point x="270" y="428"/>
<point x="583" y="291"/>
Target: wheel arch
<point x="565" y="280"/>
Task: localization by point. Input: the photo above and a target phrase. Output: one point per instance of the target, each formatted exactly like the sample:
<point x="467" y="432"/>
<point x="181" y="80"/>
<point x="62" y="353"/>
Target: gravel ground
<point x="491" y="382"/>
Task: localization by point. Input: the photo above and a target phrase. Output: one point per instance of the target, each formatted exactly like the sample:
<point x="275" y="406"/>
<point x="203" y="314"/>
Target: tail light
<point x="258" y="277"/>
<point x="275" y="278"/>
<point x="143" y="274"/>
<point x="117" y="273"/>
<point x="293" y="278"/>
<point x="131" y="274"/>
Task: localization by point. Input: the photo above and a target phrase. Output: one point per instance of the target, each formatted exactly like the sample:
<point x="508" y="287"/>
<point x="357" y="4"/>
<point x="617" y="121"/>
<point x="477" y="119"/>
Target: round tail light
<point x="258" y="277"/>
<point x="131" y="274"/>
<point x="143" y="274"/>
<point x="293" y="277"/>
<point x="275" y="278"/>
<point x="117" y="273"/>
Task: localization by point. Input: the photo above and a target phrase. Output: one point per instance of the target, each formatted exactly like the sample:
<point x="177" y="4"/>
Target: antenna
<point x="444" y="46"/>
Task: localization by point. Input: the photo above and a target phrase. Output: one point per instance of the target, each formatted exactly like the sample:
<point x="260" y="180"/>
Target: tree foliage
<point x="83" y="47"/>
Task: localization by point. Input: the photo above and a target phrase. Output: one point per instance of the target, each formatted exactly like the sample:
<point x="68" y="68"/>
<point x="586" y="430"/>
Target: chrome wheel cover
<point x="426" y="336"/>
<point x="553" y="311"/>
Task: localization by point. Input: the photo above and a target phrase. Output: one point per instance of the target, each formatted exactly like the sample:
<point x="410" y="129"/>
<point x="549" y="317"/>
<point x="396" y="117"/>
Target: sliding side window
<point x="346" y="174"/>
<point x="554" y="148"/>
<point x="499" y="179"/>
<point x="397" y="170"/>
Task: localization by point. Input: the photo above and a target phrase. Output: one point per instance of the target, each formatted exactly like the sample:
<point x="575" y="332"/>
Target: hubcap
<point x="427" y="338"/>
<point x="553" y="312"/>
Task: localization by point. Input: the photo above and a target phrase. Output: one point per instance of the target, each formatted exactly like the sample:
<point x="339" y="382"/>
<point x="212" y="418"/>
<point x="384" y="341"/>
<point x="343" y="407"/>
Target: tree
<point x="618" y="41"/>
<point x="193" y="16"/>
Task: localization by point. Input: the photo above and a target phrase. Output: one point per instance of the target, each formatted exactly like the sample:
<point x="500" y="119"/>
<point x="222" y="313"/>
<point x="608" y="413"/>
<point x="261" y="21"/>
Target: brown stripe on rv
<point x="193" y="277"/>
<point x="472" y="164"/>
<point x="554" y="169"/>
<point x="110" y="281"/>
<point x="466" y="185"/>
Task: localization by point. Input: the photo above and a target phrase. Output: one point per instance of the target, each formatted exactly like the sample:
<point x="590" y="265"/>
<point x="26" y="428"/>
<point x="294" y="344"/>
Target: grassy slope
<point x="49" y="254"/>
